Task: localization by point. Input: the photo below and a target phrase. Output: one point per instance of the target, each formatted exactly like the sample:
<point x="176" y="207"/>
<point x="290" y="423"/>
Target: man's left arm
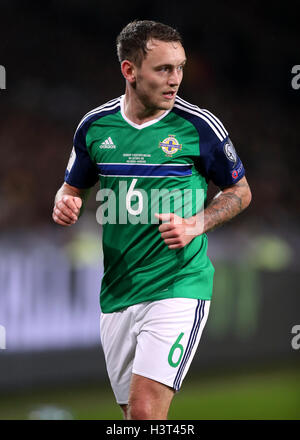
<point x="178" y="232"/>
<point x="227" y="204"/>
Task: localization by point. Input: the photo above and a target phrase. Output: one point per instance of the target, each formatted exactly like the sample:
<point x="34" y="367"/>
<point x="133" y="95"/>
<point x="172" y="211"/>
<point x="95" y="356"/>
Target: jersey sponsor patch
<point x="170" y="145"/>
<point x="230" y="152"/>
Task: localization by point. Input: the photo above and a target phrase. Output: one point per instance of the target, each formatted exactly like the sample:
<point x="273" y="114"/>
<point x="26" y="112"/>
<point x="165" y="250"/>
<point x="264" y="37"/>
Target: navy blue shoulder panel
<point x="218" y="160"/>
<point x="81" y="171"/>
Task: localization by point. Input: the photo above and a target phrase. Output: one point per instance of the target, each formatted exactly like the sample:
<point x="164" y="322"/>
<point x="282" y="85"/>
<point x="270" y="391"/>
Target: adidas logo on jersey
<point x="108" y="143"/>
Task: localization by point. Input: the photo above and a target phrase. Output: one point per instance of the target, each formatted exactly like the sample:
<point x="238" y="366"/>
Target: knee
<point x="140" y="410"/>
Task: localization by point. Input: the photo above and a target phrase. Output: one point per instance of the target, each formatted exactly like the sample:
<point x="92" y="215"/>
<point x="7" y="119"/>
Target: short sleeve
<point x="81" y="172"/>
<point x="218" y="159"/>
<point x="220" y="162"/>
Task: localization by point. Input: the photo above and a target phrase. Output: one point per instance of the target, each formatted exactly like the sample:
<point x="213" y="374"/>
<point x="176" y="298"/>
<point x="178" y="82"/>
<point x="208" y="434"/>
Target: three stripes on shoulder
<point x="214" y="123"/>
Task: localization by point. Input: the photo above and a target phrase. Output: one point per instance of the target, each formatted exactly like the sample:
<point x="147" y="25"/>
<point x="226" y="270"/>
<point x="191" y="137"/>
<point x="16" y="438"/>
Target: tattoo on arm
<point x="228" y="203"/>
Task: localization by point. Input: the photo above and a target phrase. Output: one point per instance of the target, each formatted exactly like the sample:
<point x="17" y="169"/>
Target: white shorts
<point x="157" y="340"/>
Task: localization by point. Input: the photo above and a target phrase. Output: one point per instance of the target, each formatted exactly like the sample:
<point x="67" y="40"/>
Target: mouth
<point x="170" y="94"/>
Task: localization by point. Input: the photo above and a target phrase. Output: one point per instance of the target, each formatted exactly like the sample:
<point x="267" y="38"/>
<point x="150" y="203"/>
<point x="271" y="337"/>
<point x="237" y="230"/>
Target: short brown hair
<point x="132" y="40"/>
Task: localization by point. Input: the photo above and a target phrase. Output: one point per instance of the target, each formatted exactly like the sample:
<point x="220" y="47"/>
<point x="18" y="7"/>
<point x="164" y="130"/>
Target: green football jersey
<point x="161" y="166"/>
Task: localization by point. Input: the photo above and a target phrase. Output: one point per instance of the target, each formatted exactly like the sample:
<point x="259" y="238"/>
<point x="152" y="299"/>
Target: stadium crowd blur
<point x="60" y="61"/>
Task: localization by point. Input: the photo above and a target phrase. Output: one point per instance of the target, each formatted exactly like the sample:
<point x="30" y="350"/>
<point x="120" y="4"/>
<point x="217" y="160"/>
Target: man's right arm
<point x="68" y="204"/>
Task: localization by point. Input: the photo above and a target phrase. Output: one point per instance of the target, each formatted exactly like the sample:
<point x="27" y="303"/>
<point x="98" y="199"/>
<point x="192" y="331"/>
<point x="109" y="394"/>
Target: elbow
<point x="247" y="198"/>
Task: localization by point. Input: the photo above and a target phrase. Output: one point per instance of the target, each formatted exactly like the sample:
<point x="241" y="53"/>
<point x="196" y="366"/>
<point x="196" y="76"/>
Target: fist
<point x="176" y="231"/>
<point x="66" y="210"/>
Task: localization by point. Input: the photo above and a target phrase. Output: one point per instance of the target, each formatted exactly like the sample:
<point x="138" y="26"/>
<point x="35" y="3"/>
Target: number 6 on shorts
<point x="173" y="348"/>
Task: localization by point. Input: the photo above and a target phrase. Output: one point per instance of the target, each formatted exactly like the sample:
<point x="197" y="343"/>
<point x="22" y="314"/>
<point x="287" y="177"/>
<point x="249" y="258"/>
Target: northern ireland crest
<point x="170" y="145"/>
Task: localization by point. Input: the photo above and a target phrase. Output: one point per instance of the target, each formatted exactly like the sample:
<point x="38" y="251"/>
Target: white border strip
<point x="146" y="164"/>
<point x="104" y="107"/>
<point x="142" y="176"/>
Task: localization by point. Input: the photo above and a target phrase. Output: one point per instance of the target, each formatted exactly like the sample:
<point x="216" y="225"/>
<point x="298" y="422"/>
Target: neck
<point x="136" y="110"/>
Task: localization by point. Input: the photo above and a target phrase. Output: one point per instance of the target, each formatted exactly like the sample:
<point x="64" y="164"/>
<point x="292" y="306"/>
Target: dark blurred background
<point x="60" y="62"/>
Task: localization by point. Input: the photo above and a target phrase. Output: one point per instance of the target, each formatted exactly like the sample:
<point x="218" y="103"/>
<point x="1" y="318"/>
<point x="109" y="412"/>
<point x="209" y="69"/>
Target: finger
<point x="71" y="203"/>
<point x="175" y="246"/>
<point x="170" y="234"/>
<point x="165" y="227"/>
<point x="78" y="202"/>
<point x="65" y="210"/>
<point x="62" y="216"/>
<point x="169" y="241"/>
<point x="166" y="217"/>
<point x="60" y="222"/>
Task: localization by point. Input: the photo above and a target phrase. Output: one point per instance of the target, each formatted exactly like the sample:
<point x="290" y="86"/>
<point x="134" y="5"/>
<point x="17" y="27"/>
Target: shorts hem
<point x="125" y="306"/>
<point x="148" y="376"/>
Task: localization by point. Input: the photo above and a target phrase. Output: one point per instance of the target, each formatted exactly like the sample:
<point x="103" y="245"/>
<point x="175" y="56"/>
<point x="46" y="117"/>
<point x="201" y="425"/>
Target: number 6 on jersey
<point x="134" y="193"/>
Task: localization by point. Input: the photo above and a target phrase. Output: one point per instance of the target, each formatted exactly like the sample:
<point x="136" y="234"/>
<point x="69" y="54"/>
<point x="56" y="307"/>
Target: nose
<point x="175" y="78"/>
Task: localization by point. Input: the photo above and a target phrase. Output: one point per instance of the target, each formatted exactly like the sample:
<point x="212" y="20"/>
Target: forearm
<point x="177" y="232"/>
<point x="226" y="205"/>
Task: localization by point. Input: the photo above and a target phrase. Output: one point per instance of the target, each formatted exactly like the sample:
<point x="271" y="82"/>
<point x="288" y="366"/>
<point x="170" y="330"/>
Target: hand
<point x="177" y="232"/>
<point x="66" y="210"/>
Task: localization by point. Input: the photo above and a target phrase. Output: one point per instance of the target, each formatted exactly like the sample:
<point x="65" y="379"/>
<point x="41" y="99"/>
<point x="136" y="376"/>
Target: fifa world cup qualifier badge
<point x="170" y="145"/>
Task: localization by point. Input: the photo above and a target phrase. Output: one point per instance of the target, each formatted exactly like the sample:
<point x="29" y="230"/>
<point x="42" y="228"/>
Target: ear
<point x="128" y="70"/>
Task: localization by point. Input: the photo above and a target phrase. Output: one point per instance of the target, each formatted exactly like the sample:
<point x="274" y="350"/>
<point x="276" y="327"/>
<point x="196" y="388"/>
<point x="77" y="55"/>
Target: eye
<point x="163" y="69"/>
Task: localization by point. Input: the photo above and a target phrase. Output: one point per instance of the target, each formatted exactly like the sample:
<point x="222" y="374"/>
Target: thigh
<point x="168" y="339"/>
<point x="118" y="338"/>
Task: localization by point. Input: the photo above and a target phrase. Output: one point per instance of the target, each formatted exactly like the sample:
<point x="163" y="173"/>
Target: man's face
<point x="160" y="74"/>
